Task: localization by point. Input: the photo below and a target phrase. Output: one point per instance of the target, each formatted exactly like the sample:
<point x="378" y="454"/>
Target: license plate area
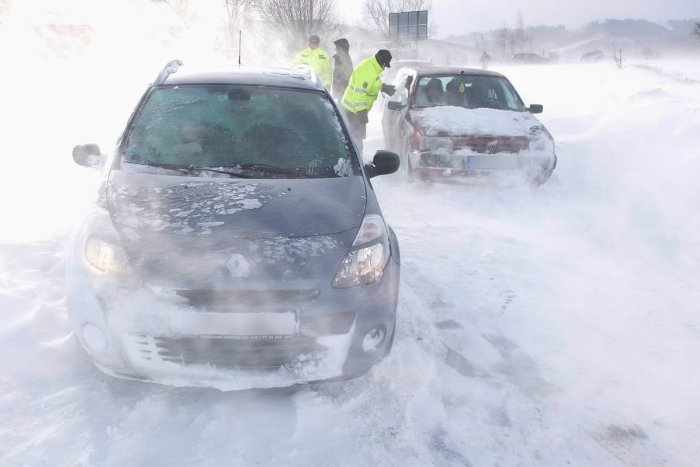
<point x="489" y="162"/>
<point x="240" y="325"/>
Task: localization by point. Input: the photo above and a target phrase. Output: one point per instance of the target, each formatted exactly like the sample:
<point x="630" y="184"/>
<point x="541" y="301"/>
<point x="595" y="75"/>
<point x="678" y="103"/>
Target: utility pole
<point x="617" y="54"/>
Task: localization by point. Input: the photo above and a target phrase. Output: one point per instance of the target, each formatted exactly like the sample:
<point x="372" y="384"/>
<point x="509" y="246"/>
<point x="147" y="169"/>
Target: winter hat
<point x="343" y="44"/>
<point x="383" y="58"/>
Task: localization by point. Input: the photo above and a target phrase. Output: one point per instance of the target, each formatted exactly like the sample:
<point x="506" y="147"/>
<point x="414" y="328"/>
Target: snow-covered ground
<point x="552" y="327"/>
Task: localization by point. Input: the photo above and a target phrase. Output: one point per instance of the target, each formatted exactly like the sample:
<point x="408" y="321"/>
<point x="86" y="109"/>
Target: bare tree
<point x="520" y="37"/>
<point x="235" y="11"/>
<point x="377" y="11"/>
<point x="696" y="30"/>
<point x="502" y="37"/>
<point x="181" y="8"/>
<point x="296" y="20"/>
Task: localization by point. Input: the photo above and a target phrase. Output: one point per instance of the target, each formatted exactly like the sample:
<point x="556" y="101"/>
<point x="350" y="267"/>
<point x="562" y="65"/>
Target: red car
<point x="465" y="123"/>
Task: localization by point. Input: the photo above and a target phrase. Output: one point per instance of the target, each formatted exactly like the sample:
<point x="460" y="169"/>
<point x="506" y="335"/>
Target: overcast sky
<point x="462" y="16"/>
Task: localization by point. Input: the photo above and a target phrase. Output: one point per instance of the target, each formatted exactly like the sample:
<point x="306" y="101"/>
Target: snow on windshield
<point x="229" y="126"/>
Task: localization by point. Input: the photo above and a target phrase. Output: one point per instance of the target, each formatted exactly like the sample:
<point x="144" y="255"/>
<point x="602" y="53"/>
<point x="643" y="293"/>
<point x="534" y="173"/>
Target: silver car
<point x="237" y="241"/>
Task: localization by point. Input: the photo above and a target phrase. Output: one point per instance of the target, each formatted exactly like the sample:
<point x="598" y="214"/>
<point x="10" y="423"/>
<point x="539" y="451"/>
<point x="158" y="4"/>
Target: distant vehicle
<point x="593" y="56"/>
<point x="529" y="58"/>
<point x="396" y="65"/>
<point x="467" y="124"/>
<point x="237" y="241"/>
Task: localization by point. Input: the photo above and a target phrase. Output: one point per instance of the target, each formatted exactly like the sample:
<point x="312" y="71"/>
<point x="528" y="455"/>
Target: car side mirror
<point x="383" y="163"/>
<point x="395" y="105"/>
<point x="535" y="108"/>
<point x="88" y="155"/>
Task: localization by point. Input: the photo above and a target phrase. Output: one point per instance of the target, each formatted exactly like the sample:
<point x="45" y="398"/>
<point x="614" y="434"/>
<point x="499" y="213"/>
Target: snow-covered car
<point x="529" y="58"/>
<point x="396" y="65"/>
<point x="593" y="56"/>
<point x="236" y="241"/>
<point x="468" y="124"/>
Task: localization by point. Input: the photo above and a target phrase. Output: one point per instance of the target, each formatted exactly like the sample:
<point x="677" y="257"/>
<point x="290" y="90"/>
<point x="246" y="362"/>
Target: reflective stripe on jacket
<point x="319" y="61"/>
<point x="364" y="86"/>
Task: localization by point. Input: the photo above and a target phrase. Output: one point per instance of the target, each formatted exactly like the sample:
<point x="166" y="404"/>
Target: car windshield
<point x="239" y="131"/>
<point x="469" y="91"/>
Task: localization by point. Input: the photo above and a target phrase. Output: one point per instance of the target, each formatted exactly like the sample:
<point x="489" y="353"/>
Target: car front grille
<point x="244" y="300"/>
<point x="246" y="352"/>
<point x="249" y="353"/>
<point x="492" y="145"/>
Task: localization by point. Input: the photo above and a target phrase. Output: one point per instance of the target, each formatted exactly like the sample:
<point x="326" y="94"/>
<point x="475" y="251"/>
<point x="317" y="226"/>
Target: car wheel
<point x="390" y="345"/>
<point x="541" y="178"/>
<point x="407" y="171"/>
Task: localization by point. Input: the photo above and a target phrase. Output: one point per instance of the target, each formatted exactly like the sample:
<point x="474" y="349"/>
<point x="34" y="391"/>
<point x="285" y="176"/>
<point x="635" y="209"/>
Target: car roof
<point x="454" y="70"/>
<point x="417" y="61"/>
<point x="276" y="77"/>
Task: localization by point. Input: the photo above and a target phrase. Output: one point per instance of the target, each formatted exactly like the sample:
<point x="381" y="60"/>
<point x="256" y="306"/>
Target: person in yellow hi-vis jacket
<point x="318" y="59"/>
<point x="363" y="89"/>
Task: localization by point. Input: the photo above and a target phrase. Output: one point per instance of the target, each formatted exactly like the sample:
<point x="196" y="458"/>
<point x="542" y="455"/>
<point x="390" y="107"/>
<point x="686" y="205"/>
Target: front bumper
<point x="483" y="167"/>
<point x="171" y="337"/>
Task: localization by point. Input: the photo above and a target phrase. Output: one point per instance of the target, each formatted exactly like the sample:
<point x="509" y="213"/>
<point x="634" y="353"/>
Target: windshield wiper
<point x="180" y="168"/>
<point x="191" y="169"/>
<point x="248" y="170"/>
<point x="273" y="169"/>
<point x="233" y="172"/>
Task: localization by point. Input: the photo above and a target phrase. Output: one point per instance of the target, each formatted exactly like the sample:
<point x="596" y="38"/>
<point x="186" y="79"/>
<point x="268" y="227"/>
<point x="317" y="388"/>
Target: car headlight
<point x="364" y="263"/>
<point x="541" y="141"/>
<point x="105" y="256"/>
<point x="542" y="145"/>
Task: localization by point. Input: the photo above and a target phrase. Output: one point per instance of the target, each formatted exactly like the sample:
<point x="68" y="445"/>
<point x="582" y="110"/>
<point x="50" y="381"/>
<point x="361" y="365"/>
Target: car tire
<point x="407" y="171"/>
<point x="390" y="345"/>
<point x="541" y="178"/>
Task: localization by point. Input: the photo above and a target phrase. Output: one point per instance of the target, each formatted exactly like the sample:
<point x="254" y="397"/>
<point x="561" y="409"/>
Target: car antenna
<point x="239" y="48"/>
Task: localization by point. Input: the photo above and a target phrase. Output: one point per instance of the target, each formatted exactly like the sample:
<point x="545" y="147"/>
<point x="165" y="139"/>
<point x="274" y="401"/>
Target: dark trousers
<point x="358" y="126"/>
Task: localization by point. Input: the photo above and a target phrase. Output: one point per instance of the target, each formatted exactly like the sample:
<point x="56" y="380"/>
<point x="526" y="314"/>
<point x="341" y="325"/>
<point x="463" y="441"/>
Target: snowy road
<point x="550" y="327"/>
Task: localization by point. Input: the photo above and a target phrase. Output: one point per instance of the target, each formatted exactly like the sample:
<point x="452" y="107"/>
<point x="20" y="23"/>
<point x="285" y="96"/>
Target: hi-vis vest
<point x="319" y="61"/>
<point x="364" y="86"/>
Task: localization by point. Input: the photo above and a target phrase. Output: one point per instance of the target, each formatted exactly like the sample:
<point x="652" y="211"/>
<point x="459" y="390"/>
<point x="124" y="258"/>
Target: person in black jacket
<point x="343" y="67"/>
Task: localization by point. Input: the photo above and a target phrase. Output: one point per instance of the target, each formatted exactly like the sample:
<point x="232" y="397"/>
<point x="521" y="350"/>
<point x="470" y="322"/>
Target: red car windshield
<point x="469" y="91"/>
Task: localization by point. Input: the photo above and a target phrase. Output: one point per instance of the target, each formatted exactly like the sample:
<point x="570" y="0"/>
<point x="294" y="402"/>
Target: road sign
<point x="408" y="25"/>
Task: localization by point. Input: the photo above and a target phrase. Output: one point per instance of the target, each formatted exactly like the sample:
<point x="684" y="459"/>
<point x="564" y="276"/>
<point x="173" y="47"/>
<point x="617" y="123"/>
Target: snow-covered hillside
<point x="636" y="39"/>
<point x="550" y="327"/>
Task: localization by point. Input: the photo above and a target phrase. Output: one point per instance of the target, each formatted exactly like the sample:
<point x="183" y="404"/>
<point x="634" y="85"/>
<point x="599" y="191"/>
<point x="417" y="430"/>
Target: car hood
<point x="449" y="121"/>
<point x="189" y="232"/>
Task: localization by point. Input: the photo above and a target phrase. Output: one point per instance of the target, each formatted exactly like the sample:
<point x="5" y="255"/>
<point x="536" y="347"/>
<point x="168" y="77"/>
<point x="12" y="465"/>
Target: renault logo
<point x="238" y="266"/>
